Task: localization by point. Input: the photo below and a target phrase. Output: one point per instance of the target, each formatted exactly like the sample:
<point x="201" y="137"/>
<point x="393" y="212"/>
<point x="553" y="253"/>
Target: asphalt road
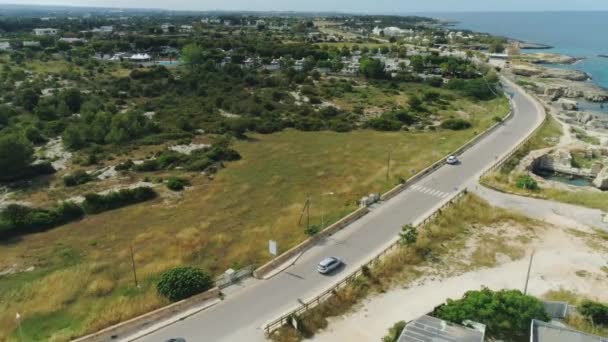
<point x="242" y="314"/>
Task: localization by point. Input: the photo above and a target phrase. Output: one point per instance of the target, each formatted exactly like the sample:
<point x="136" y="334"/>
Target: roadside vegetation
<point x="505" y="180"/>
<point x="591" y="316"/>
<point x="437" y="243"/>
<point x="199" y="163"/>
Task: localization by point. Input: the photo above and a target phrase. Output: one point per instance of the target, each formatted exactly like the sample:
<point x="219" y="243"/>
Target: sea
<point x="578" y="34"/>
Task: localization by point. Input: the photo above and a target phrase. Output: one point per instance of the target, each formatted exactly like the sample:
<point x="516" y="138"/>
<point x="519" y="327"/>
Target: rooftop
<point x="547" y="332"/>
<point x="431" y="329"/>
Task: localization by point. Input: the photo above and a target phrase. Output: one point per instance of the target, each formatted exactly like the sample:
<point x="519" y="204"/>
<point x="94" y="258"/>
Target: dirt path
<point x="563" y="259"/>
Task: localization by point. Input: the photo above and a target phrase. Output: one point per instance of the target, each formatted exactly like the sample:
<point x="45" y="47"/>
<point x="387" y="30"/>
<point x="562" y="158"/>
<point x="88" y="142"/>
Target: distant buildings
<point x="392" y="31"/>
<point x="41" y="32"/>
<point x="5" y="46"/>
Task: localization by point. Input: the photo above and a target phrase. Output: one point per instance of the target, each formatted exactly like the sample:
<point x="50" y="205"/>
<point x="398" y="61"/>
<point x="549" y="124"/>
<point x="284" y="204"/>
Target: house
<point x="72" y="40"/>
<point x="351" y="68"/>
<point x="167" y="28"/>
<point x="274" y="65"/>
<point x="392" y="31"/>
<point x="428" y="328"/>
<point x="299" y="65"/>
<point x="45" y="31"/>
<point x="140" y="57"/>
<point x="5" y="46"/>
<point x="31" y="43"/>
<point x="551" y="332"/>
<point x="103" y="29"/>
<point x="186" y="28"/>
<point x="249" y="63"/>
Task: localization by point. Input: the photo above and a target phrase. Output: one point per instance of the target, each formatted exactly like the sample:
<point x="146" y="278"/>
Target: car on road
<point x="452" y="160"/>
<point x="329" y="264"/>
<point x="176" y="339"/>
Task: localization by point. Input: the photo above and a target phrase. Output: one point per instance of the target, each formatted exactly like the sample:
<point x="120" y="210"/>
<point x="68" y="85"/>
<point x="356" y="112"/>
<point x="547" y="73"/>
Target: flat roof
<point x="547" y="332"/>
<point x="431" y="329"/>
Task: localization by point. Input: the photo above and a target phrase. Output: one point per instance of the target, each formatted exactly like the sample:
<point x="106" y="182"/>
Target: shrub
<point x="596" y="312"/>
<point x="96" y="203"/>
<point x="124" y="166"/>
<point x="311" y="231"/>
<point x="183" y="282"/>
<point x="506" y="313"/>
<point x="77" y="178"/>
<point x="18" y="219"/>
<point x="526" y="182"/>
<point x="394" y="332"/>
<point x="384" y="123"/>
<point x="455" y="124"/>
<point x="177" y="184"/>
<point x="147" y="166"/>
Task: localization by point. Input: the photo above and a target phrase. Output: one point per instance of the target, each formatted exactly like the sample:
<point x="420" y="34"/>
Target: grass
<point x="583" y="136"/>
<point x="576" y="321"/>
<point x="547" y="136"/>
<point x="83" y="271"/>
<point x="437" y="240"/>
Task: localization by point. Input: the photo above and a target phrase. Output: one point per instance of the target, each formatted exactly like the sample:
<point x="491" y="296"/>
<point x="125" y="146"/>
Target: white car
<point x="329" y="264"/>
<point x="452" y="160"/>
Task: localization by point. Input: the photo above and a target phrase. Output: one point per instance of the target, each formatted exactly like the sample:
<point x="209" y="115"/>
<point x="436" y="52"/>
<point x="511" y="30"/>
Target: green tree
<point x="526" y="182"/>
<point x="595" y="312"/>
<point x="183" y="282"/>
<point x="72" y="98"/>
<point x="16" y="154"/>
<point x="408" y="234"/>
<point x="193" y="55"/>
<point x="506" y="313"/>
<point x="372" y="68"/>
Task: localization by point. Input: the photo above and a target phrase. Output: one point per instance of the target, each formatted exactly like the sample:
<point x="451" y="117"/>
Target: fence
<point x="279" y="322"/>
<point x="226" y="280"/>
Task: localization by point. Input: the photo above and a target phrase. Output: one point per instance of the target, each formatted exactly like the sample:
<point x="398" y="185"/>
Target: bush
<point x="394" y="332"/>
<point x="183" y="282"/>
<point x="526" y="182"/>
<point x="17" y="219"/>
<point x="177" y="184"/>
<point x="455" y="124"/>
<point x="147" y="166"/>
<point x="124" y="166"/>
<point x="384" y="123"/>
<point x="96" y="203"/>
<point x="506" y="313"/>
<point x="77" y="178"/>
<point x="595" y="312"/>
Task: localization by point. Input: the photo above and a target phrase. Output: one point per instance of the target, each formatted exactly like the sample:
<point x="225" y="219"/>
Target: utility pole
<point x="528" y="274"/>
<point x="388" y="165"/>
<point x="323" y="209"/>
<point x="308" y="214"/>
<point x="18" y="318"/>
<point x="133" y="265"/>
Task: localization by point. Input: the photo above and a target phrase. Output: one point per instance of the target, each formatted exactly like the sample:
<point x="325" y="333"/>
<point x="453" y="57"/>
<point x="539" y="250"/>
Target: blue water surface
<point x="578" y="34"/>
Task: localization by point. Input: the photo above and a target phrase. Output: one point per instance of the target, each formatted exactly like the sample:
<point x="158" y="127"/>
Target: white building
<point x="31" y="43"/>
<point x="72" y="40"/>
<point x="273" y="66"/>
<point x="45" y="31"/>
<point x="140" y="57"/>
<point x="167" y="28"/>
<point x="5" y="46"/>
<point x="186" y="28"/>
<point x="299" y="65"/>
<point x="392" y="31"/>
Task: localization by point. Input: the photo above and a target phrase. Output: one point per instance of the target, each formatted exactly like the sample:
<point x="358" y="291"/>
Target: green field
<point x="82" y="279"/>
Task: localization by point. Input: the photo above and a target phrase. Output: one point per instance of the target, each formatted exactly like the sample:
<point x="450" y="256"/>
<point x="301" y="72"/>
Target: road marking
<point x="430" y="191"/>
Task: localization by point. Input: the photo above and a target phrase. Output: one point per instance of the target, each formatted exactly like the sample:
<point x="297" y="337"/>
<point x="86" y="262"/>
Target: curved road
<point x="241" y="315"/>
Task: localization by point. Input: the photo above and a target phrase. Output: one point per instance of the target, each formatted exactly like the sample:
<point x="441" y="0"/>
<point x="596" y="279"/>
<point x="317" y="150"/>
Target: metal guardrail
<point x="225" y="280"/>
<point x="279" y="322"/>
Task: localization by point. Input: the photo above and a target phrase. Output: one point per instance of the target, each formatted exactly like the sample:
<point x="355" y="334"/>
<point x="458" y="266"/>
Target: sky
<point x="348" y="6"/>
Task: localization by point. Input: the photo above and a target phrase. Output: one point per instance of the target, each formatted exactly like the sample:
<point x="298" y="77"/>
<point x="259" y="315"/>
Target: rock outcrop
<point x="601" y="181"/>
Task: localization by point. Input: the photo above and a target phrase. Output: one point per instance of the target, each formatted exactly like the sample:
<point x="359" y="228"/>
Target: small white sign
<point x="294" y="323"/>
<point x="272" y="247"/>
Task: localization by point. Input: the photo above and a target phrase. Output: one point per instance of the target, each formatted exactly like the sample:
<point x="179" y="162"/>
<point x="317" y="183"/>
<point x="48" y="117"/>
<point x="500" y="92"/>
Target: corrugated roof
<point x="547" y="332"/>
<point x="431" y="329"/>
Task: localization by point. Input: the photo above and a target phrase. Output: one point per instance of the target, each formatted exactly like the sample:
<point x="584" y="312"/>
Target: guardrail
<point x="284" y="319"/>
<point x="269" y="266"/>
<point x="279" y="322"/>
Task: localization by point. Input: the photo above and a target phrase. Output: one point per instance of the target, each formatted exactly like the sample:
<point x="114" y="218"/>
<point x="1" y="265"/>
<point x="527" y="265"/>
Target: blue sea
<point x="578" y="34"/>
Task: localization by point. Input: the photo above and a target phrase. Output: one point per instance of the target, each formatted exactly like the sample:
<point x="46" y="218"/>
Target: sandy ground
<point x="561" y="260"/>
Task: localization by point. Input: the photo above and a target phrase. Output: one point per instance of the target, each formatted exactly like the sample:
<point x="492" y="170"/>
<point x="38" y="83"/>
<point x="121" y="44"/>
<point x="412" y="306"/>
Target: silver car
<point x="329" y="264"/>
<point x="452" y="160"/>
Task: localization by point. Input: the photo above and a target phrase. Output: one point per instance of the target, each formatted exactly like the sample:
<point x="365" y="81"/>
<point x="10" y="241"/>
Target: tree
<point x="193" y="55"/>
<point x="372" y="68"/>
<point x="506" y="313"/>
<point x="16" y="154"/>
<point x="183" y="282"/>
<point x="73" y="99"/>
<point x="394" y="332"/>
<point x="27" y="98"/>
<point x="408" y="234"/>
